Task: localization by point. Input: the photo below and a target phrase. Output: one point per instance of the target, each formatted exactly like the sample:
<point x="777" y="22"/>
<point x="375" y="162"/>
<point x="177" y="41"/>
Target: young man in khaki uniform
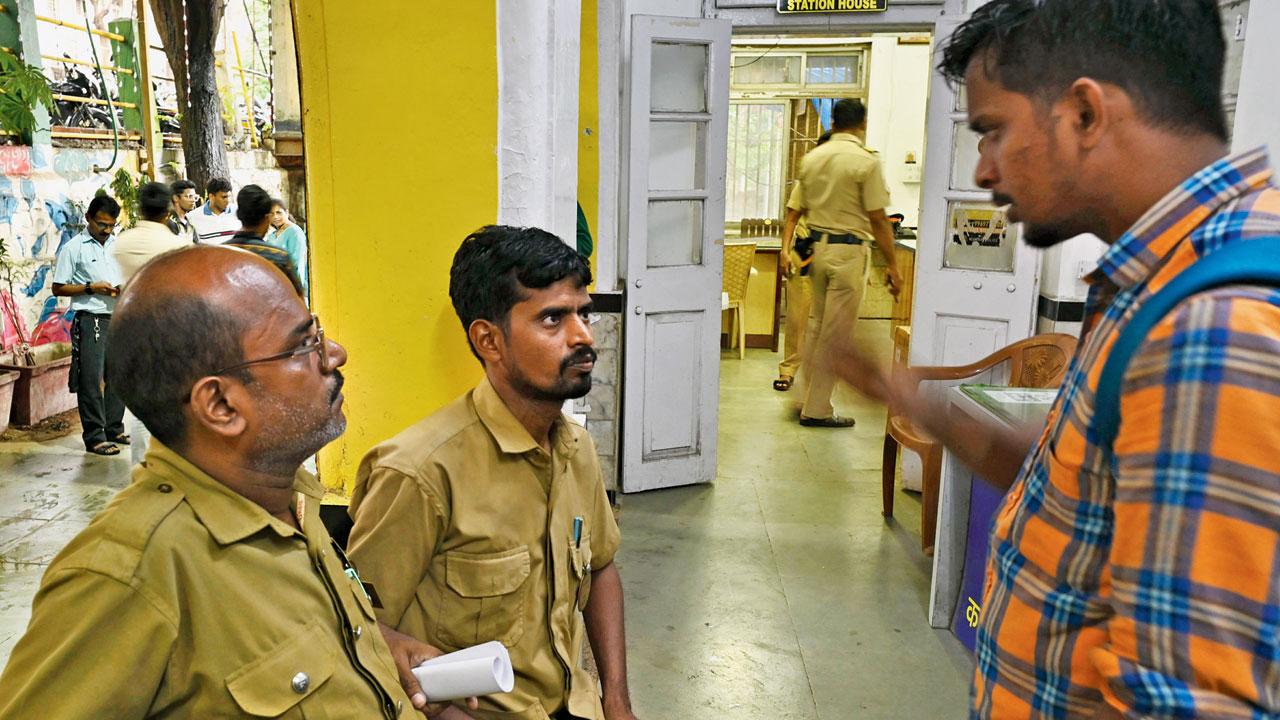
<point x="488" y="520"/>
<point x="842" y="193"/>
<point x="209" y="587"/>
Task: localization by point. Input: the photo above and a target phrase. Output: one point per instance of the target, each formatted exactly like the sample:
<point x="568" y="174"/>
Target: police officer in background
<point x="841" y="191"/>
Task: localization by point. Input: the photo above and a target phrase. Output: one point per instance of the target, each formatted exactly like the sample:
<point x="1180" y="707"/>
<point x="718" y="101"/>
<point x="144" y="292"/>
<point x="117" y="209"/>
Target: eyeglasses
<point x="314" y="343"/>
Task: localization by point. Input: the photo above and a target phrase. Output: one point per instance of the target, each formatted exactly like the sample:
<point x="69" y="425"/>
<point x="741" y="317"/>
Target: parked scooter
<point x="69" y="113"/>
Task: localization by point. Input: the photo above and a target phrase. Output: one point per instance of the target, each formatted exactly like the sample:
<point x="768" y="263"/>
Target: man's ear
<point x="217" y="404"/>
<point x="1091" y="109"/>
<point x="488" y="340"/>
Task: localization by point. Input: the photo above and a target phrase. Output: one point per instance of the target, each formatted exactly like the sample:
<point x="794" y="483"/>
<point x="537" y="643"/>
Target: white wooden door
<point x="676" y="110"/>
<point x="976" y="282"/>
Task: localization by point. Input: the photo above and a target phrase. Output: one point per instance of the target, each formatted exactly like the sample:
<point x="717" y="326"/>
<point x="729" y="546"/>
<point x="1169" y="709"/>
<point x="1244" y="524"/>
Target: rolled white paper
<point x="480" y="670"/>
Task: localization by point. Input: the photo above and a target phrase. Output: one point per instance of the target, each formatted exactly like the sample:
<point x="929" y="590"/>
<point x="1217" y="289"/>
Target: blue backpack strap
<point x="1255" y="261"/>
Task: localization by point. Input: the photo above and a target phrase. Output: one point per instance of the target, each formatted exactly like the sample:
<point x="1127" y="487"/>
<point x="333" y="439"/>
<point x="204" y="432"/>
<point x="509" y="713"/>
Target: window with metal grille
<point x="757" y="151"/>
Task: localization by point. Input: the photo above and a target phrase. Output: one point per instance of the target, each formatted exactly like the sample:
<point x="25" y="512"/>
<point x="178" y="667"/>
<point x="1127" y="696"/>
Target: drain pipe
<point x="102" y="81"/>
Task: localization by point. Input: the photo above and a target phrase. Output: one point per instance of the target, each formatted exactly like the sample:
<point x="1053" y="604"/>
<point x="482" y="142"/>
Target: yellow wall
<point x="399" y="127"/>
<point x="588" y="118"/>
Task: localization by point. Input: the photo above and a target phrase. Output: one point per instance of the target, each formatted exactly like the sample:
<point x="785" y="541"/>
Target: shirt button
<point x="399" y="706"/>
<point x="301" y="682"/>
<point x="165" y="487"/>
<point x="358" y="631"/>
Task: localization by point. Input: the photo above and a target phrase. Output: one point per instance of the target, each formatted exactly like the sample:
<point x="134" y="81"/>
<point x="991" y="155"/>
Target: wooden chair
<point x="1037" y="362"/>
<point x="760" y="227"/>
<point x="737" y="274"/>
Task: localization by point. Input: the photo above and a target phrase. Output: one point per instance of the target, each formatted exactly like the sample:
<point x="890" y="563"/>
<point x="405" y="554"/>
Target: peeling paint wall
<point x="43" y="196"/>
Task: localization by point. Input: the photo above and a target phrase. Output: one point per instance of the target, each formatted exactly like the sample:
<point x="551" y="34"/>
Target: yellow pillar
<point x="588" y="121"/>
<point x="399" y="129"/>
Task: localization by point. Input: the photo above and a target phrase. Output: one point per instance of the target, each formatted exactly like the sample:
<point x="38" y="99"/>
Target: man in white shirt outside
<point x="215" y="221"/>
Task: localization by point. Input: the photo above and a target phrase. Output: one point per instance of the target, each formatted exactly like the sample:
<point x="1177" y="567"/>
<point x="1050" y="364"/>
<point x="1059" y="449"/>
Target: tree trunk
<point x="189" y="29"/>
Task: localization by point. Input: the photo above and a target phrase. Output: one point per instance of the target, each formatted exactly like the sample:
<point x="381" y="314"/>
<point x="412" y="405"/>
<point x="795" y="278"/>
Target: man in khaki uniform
<point x="842" y="192"/>
<point x="209" y="587"/>
<point x="796" y="262"/>
<point x="488" y="520"/>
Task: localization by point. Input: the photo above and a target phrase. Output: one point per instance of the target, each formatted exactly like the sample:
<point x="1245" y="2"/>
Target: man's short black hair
<point x="848" y="114"/>
<point x="218" y="185"/>
<point x="103" y="203"/>
<point x="154" y="201"/>
<point x="181" y="186"/>
<point x="157" y="349"/>
<point x="1167" y="55"/>
<point x="253" y="205"/>
<point x="497" y="263"/>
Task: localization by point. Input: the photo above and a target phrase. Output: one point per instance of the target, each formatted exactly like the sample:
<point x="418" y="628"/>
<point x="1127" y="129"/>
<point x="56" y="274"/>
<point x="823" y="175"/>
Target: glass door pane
<point x="675" y="233"/>
<point x="678" y="78"/>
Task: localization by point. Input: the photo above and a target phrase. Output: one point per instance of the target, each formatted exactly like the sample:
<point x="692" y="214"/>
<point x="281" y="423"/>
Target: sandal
<point x="121" y="439"/>
<point x="782" y="384"/>
<point x="834" y="421"/>
<point x="105" y="448"/>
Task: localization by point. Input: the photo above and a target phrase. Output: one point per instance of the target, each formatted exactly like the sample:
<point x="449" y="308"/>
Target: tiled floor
<point x="777" y="592"/>
<point x="48" y="493"/>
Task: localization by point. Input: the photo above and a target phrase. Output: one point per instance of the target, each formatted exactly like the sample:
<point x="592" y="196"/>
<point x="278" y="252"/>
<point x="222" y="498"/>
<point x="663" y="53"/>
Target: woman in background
<point x="286" y="235"/>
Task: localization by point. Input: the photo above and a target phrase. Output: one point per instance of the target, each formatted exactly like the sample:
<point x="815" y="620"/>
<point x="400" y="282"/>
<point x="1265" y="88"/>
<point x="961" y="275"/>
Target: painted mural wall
<point x="43" y="196"/>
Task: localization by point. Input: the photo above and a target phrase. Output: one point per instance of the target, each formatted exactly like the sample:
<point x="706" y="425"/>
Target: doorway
<point x="782" y="89"/>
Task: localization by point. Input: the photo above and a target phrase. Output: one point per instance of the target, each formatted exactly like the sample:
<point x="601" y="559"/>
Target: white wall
<point x="897" y="94"/>
<point x="1062" y="266"/>
<point x="1258" y="109"/>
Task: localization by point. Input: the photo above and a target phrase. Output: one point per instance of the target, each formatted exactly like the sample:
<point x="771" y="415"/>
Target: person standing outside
<point x="1136" y="579"/>
<point x="215" y="221"/>
<point x="488" y="520"/>
<point x="184" y="201"/>
<point x="151" y="236"/>
<point x="86" y="273"/>
<point x="253" y="209"/>
<point x="841" y="191"/>
<point x="286" y="235"/>
<point x="136" y="247"/>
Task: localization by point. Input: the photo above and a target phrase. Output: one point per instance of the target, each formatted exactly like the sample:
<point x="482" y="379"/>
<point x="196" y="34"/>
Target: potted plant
<point x="40" y="388"/>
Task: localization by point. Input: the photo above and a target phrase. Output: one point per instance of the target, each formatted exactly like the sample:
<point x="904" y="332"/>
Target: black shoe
<point x="834" y="421"/>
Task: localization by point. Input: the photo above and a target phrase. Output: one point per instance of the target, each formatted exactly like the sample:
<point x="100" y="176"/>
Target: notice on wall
<point x="832" y="6"/>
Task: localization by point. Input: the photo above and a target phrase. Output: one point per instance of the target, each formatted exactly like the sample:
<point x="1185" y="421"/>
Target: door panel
<point x="676" y="110"/>
<point x="673" y="385"/>
<point x="975" y="282"/>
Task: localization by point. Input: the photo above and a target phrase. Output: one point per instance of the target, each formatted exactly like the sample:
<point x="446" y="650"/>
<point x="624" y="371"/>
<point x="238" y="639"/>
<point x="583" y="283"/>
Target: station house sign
<point x="832" y="6"/>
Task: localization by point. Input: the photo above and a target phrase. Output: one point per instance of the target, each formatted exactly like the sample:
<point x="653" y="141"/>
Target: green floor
<point x="777" y="592"/>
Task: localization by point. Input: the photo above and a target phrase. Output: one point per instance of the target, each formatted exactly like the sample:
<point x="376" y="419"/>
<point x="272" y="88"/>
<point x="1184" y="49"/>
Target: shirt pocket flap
<point x="284" y="676"/>
<point x="487" y="575"/>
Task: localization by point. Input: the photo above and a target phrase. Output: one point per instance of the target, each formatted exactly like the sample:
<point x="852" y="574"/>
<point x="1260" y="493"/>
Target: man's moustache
<point x="337" y="386"/>
<point x="579" y="357"/>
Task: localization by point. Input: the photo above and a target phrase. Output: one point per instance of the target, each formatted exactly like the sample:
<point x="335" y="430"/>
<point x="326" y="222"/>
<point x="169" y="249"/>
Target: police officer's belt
<point x="834" y="239"/>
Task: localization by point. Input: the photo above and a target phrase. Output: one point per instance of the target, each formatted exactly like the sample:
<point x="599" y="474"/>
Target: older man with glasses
<point x="209" y="587"/>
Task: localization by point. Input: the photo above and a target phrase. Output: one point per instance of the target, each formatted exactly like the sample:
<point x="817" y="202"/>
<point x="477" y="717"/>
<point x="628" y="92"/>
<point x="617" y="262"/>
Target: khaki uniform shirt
<point x="183" y="599"/>
<point x="464" y="527"/>
<point x="840" y="182"/>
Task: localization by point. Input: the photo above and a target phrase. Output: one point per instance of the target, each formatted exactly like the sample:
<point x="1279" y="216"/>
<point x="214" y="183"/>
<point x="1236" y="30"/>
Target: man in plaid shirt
<point x="1147" y="584"/>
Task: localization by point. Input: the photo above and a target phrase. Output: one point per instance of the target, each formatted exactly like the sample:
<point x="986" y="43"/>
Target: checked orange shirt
<point x="1151" y="581"/>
